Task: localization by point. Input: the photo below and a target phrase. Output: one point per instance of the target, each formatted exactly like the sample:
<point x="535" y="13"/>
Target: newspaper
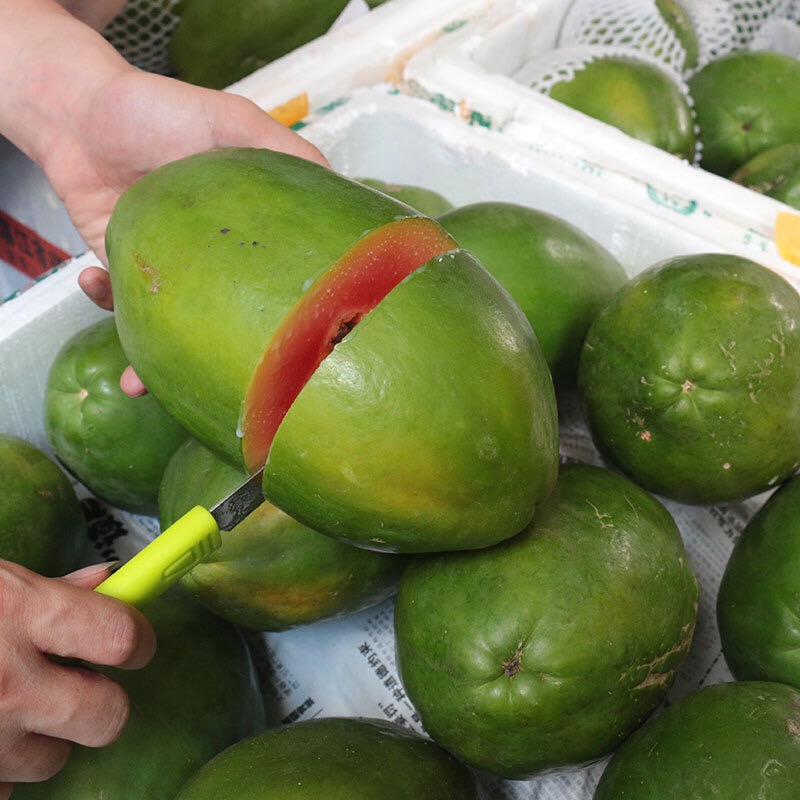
<point x="346" y="666"/>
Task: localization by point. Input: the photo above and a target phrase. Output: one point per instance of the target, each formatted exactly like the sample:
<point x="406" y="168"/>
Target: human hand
<point x="46" y="704"/>
<point x="152" y="120"/>
<point x="95" y="124"/>
<point x="96" y="285"/>
<point x="137" y="121"/>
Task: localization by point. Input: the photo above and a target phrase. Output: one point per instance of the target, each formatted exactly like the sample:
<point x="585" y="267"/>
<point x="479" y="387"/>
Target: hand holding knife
<point x="185" y="543"/>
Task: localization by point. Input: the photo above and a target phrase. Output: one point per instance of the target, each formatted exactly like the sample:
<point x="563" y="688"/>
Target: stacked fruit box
<point x="406" y="140"/>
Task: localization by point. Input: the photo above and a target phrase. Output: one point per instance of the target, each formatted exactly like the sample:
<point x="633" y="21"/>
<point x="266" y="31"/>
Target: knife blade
<point x="184" y="544"/>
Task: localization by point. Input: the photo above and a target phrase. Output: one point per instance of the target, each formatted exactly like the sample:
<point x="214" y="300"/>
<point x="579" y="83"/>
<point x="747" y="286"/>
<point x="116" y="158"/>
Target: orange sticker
<point x="787" y="236"/>
<point x="291" y="111"/>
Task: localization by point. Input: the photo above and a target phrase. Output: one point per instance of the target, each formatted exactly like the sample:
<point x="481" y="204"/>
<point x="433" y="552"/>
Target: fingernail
<point x="93" y="569"/>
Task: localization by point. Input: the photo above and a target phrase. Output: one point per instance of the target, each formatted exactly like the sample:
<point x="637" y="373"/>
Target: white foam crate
<point x="471" y="76"/>
<point x="369" y="49"/>
<point x="381" y="133"/>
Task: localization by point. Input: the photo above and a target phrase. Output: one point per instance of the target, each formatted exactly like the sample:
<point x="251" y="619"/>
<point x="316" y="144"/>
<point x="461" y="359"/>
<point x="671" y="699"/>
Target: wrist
<point x="51" y="65"/>
<point x="97" y="13"/>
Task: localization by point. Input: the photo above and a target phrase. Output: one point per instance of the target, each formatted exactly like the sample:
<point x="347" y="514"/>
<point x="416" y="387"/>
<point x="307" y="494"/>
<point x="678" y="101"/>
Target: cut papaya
<point x="431" y="423"/>
<point x="331" y="308"/>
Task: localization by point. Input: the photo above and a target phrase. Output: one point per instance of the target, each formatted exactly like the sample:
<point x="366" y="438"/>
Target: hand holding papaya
<point x="44" y="703"/>
<point x="95" y="124"/>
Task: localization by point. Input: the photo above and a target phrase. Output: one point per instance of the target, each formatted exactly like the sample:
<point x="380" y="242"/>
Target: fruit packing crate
<point x="420" y="93"/>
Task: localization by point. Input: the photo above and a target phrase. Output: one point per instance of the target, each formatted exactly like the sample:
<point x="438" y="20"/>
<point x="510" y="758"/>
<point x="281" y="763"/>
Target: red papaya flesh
<point x="330" y="308"/>
<point x="207" y="256"/>
<point x="429" y="427"/>
<point x="241" y="275"/>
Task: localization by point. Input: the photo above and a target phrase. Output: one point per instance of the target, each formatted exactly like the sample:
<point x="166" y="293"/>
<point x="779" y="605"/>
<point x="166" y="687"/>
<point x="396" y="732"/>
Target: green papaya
<point x="217" y="42"/>
<point x="117" y="446"/>
<point x="745" y="102"/>
<point x="42" y="525"/>
<point x="635" y="96"/>
<point x="199" y="695"/>
<point x="289" y="317"/>
<point x="546" y="650"/>
<point x="690" y="377"/>
<point x="759" y="596"/>
<point x="271" y="573"/>
<point x="426" y="201"/>
<point x="678" y="18"/>
<point x="774" y="172"/>
<point x="559" y="276"/>
<point x="334" y="758"/>
<point x="737" y="741"/>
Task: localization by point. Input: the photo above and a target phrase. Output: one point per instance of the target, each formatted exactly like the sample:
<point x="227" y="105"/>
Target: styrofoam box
<point x="471" y="75"/>
<point x="369" y="49"/>
<point x="381" y="133"/>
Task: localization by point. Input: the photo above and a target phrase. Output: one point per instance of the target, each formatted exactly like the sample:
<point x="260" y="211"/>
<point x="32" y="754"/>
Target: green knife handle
<point x="177" y="549"/>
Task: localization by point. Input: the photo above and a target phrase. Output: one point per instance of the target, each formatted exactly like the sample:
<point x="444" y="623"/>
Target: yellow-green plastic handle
<point x="177" y="549"/>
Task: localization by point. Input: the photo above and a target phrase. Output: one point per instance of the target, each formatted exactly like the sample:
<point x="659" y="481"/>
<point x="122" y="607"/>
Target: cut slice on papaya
<point x="331" y="307"/>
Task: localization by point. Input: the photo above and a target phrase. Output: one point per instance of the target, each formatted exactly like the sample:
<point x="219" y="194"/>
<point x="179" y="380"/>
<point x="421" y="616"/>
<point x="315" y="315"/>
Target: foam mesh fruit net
<point x="141" y="32"/>
<point x="719" y="26"/>
<point x="636" y="24"/>
<point x="593" y="29"/>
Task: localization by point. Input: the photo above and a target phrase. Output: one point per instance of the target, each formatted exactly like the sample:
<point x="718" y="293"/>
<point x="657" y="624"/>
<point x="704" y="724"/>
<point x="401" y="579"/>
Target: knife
<point x="181" y="546"/>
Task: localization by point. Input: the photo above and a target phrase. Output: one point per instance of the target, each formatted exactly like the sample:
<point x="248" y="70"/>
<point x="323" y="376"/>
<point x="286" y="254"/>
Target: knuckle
<point x="34" y="758"/>
<point x="13" y="588"/>
<point x="56" y="760"/>
<point x="112" y="716"/>
<point x="122" y="638"/>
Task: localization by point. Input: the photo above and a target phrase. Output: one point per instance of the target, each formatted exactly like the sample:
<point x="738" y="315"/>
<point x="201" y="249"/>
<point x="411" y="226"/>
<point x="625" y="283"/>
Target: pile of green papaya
<point x="401" y="376"/>
<point x="732" y="112"/>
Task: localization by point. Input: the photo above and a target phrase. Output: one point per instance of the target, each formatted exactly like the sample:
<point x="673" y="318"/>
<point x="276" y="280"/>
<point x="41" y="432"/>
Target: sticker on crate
<point x="25" y="250"/>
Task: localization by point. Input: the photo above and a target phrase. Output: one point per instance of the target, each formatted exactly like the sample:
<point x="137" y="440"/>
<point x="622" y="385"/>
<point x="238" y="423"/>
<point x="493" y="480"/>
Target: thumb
<point x="89" y="577"/>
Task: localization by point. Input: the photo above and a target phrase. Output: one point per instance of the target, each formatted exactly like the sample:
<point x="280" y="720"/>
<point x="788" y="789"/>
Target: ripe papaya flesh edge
<point x="325" y="314"/>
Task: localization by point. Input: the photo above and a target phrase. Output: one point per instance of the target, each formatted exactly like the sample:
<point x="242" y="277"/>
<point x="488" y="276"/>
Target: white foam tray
<point x="640" y="219"/>
<point x="381" y="133"/>
<point x="370" y="49"/>
<point x="470" y="75"/>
